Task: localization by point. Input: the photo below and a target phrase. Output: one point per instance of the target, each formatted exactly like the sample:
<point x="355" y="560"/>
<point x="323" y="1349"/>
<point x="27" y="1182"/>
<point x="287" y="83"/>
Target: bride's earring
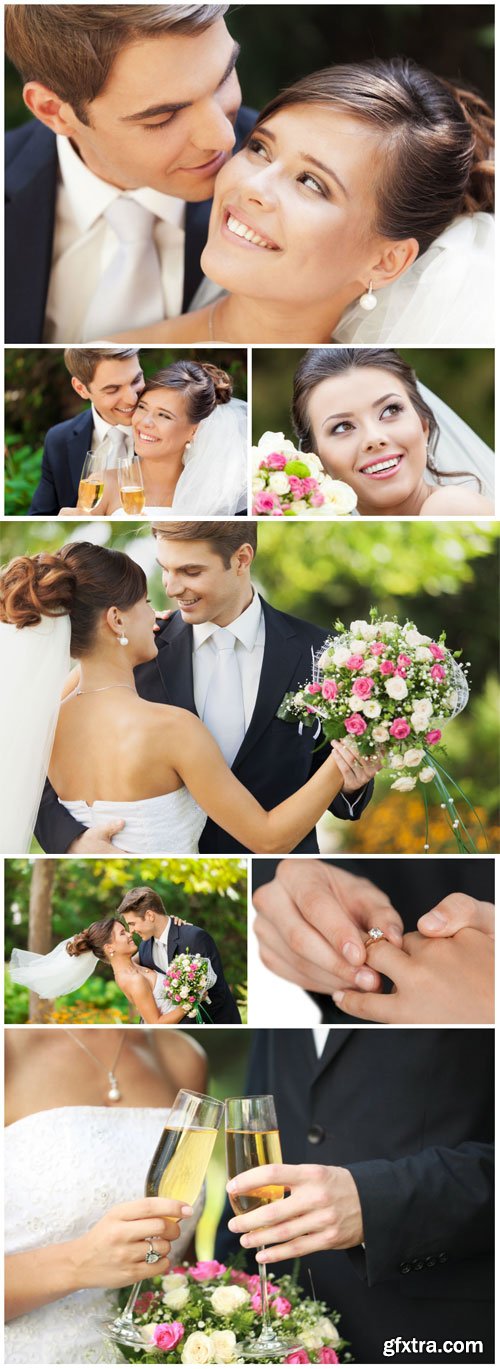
<point x="368" y="301"/>
<point x="123" y="640"/>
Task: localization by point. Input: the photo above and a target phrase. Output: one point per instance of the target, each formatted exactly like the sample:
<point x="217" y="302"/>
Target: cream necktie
<point x="224" y="712"/>
<point x="129" y="294"/>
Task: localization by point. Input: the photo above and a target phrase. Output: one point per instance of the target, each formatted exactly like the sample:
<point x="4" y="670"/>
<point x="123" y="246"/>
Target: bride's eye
<point x="392" y="409"/>
<point x="311" y="183"/>
<point x="343" y="427"/>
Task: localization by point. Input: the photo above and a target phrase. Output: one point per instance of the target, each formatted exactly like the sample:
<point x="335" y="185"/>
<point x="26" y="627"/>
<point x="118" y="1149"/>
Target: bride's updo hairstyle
<point x="93" y="938"/>
<point x="323" y="363"/>
<point x="81" y="579"/>
<point x="204" y="386"/>
<point x="437" y="140"/>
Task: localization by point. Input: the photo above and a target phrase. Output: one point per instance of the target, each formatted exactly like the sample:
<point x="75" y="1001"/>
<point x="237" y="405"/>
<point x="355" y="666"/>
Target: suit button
<point x="417" y="1264"/>
<point x="405" y="1267"/>
<point x="316" y="1135"/>
<point x="431" y="1261"/>
<point x="442" y="1257"/>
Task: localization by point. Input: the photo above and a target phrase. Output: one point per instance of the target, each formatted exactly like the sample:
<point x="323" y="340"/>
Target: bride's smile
<point x="161" y="426"/>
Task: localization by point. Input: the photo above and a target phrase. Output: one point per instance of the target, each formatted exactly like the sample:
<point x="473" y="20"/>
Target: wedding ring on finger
<point x="152" y="1256"/>
<point x="375" y="934"/>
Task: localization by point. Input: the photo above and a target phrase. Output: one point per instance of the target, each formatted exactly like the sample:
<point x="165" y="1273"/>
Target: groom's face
<point x="206" y="590"/>
<point x="114" y="389"/>
<point x="165" y="116"/>
<point x="140" y="926"/>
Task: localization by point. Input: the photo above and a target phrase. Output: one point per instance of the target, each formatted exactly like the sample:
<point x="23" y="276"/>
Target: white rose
<point x="427" y="774"/>
<point x="298" y="699"/>
<point x="404" y="784"/>
<point x="274" y="442"/>
<point x="229" y="1298"/>
<point x="359" y="627"/>
<point x="279" y="483"/>
<point x="413" y="637"/>
<point x="299" y="506"/>
<point x="388" y="628"/>
<point x="147" y="1333"/>
<point x="419" y="723"/>
<point x="396" y="687"/>
<point x="176" y="1299"/>
<point x="369" y="667"/>
<point x="396" y="762"/>
<point x="183" y="993"/>
<point x="327" y="1330"/>
<point x="340" y="655"/>
<point x="311" y="1340"/>
<point x="326" y="659"/>
<point x="413" y="756"/>
<point x="313" y="461"/>
<point x="422" y="653"/>
<point x="258" y="483"/>
<point x="224" y="1346"/>
<point x="356" y="705"/>
<point x="452" y="699"/>
<point x="371" y="708"/>
<point x="339" y="496"/>
<point x="380" y="734"/>
<point x="359" y="645"/>
<point x="197" y="1349"/>
<point x="173" y="1281"/>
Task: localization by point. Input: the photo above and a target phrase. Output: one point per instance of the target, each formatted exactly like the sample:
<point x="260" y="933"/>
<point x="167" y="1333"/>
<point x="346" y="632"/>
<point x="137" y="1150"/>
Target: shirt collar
<point x="248" y="628"/>
<point x="101" y="427"/>
<point x="89" y="196"/>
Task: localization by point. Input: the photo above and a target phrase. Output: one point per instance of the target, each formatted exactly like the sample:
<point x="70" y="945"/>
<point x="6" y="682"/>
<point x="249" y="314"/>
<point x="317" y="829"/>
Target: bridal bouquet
<point x="390" y="688"/>
<point x="287" y="483"/>
<point x="187" y="980"/>
<point x="200" y="1314"/>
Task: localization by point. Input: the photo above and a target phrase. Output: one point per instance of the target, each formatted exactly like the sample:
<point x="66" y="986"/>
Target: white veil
<point x="52" y="974"/>
<point x="445" y="299"/>
<point x="459" y="448"/>
<point x="35" y="663"/>
<point x="215" y="476"/>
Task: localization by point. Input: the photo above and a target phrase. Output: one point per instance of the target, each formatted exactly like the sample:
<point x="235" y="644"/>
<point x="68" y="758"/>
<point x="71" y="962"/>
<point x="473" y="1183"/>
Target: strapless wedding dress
<point x="169" y="824"/>
<point x="64" y="1169"/>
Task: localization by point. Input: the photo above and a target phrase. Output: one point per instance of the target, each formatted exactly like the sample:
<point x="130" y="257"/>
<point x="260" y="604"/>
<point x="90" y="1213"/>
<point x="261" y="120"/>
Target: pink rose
<point x="239" y="1276"/>
<point x="206" y="1269"/>
<point x="256" y="1302"/>
<point x="265" y="502"/>
<point x="437" y="672"/>
<point x="404" y="660"/>
<point x="297" y="1357"/>
<point x="377" y="648"/>
<point x="327" y="1356"/>
<point x="363" y="688"/>
<point x="309" y="485"/>
<point x="400" y="728"/>
<point x="437" y="651"/>
<point x="295" y="486"/>
<point x="387" y="668"/>
<point x="144" y="1301"/>
<point x="278" y="513"/>
<point x="433" y="736"/>
<point x="314" y="689"/>
<point x="168" y="1334"/>
<point x="281" y="1306"/>
<point x="355" y="724"/>
<point x="355" y="661"/>
<point x="400" y="672"/>
<point x="317" y="500"/>
<point x="329" y="689"/>
<point x="275" y="461"/>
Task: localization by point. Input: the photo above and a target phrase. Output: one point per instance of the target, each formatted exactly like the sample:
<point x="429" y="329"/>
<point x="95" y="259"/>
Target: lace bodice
<point x="64" y="1169"/>
<point x="169" y="824"/>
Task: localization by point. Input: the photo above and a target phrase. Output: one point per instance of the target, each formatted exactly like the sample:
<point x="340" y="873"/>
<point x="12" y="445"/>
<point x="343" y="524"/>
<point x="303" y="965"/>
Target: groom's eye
<point x="163" y="124"/>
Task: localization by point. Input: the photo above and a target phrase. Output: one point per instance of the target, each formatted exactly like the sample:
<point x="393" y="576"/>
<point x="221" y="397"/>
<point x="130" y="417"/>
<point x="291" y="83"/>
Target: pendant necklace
<point x="113" y="1094"/>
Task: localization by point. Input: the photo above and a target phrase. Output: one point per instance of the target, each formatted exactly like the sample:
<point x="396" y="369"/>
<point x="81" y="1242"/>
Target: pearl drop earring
<point x="368" y="301"/>
<point x="123" y="640"/>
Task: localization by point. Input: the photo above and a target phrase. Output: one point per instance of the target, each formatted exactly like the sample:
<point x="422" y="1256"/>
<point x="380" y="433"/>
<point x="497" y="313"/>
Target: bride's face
<point x="161" y="425"/>
<point x="292" y="212"/>
<point x="368" y="433"/>
<point x="121" y="943"/>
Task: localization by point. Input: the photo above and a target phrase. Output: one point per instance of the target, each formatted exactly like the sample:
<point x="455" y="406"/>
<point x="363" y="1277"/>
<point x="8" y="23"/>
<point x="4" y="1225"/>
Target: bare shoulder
<point x="182" y="1059"/>
<point x="456" y="499"/>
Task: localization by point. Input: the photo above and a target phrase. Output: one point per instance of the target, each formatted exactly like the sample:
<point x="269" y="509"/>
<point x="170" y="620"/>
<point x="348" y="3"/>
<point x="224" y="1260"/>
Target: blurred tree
<point x="39" y="923"/>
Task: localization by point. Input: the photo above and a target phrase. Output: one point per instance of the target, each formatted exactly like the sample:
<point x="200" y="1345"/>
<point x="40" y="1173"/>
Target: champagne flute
<point x="132" y="497"/>
<point x="91" y="486"/>
<point x="252" y="1139"/>
<point x="177" y="1170"/>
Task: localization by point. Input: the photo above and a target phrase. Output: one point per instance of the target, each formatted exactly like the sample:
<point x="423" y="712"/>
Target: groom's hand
<point x="321" y="1212"/>
<point x="312" y="922"/>
<point x="96" y="841"/>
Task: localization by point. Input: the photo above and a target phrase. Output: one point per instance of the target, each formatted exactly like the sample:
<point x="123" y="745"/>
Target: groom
<point x="230" y="657"/>
<point x="108" y="189"/>
<point x="162" y="941"/>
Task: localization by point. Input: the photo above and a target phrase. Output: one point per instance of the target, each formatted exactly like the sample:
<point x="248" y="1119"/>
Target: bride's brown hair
<point x="93" y="938"/>
<point x="203" y="384"/>
<point x="438" y="140"/>
<point x="81" y="579"/>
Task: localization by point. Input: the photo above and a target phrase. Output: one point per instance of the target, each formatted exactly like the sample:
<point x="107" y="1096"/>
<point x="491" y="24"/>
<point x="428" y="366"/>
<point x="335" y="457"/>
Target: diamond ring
<point x="375" y="934"/>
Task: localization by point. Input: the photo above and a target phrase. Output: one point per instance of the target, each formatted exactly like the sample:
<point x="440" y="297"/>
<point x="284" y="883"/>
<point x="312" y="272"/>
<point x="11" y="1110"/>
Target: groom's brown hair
<point x="225" y="538"/>
<point x="141" y="901"/>
<point x="71" y="48"/>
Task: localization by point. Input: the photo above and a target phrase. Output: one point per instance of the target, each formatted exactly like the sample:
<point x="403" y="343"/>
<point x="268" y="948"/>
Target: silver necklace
<point x="102" y="689"/>
<point x="113" y="1094"/>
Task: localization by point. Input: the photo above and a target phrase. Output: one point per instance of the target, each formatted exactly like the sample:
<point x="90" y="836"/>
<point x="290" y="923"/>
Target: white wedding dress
<point x="65" y="1168"/>
<point x="170" y="824"/>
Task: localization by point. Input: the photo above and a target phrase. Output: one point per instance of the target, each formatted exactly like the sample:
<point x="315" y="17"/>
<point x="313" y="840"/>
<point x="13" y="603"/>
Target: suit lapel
<point x="335" y="1042"/>
<point x="197" y="216"/>
<point x="175" y="664"/>
<point x="282" y="652"/>
<point x="173" y="941"/>
<point x="80" y="437"/>
<point x="31" y="187"/>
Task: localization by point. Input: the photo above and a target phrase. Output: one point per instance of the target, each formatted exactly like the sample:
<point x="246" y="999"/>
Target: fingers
<point x="315" y="904"/>
<point x="287" y="935"/>
<point x="455" y="912"/>
<point x="392" y="961"/>
<point x="142" y="1208"/>
<point x="162" y="1228"/>
<point x="159" y="1245"/>
<point x="370" y="1007"/>
<point x="147" y="1271"/>
<point x="108" y="830"/>
<point x="291" y="1250"/>
<point x="268" y="1176"/>
<point x="286" y="1231"/>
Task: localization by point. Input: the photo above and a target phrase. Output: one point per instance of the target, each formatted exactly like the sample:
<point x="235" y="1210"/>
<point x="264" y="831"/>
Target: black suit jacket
<point x="410" y="1114"/>
<point x="31" y="170"/>
<point x="414" y="886"/>
<point x="273" y="760"/>
<point x="222" y="1006"/>
<point x="64" y="451"/>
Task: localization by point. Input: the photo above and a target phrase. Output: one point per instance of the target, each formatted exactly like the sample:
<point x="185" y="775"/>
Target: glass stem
<point x="128" y="1311"/>
<point x="266" y="1316"/>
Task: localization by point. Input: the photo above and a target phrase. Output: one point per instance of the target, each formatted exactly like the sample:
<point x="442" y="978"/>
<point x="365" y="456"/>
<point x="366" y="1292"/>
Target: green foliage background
<point x="210" y="893"/>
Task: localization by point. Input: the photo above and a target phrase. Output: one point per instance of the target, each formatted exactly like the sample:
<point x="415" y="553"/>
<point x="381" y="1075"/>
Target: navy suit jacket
<point x="222" y="1006"/>
<point x="273" y="760"/>
<point x="64" y="451"/>
<point x="31" y="170"/>
<point x="410" y="1114"/>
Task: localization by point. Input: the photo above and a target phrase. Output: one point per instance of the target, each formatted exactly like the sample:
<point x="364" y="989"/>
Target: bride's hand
<point x="321" y="1212"/>
<point x="443" y="980"/>
<point x="113" y="1253"/>
<point x="455" y="912"/>
<point x="357" y="770"/>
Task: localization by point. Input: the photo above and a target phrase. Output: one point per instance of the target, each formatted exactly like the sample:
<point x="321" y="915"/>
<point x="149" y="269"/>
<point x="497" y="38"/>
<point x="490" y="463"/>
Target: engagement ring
<point x="152" y="1255"/>
<point x="375" y="934"/>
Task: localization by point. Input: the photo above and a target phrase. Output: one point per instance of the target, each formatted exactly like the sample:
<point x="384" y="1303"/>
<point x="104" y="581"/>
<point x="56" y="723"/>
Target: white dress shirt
<point x="101" y="428"/>
<point x="84" y="244"/>
<point x="250" y="632"/>
<point x="320" y="1039"/>
<point x="160" y="955"/>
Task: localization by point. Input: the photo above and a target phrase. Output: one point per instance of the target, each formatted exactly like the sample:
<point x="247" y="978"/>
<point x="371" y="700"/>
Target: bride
<point x="373" y="425"/>
<point x="191" y="439"/>
<point x="71" y="963"/>
<point x="75" y="1163"/>
<point x="111" y="754"/>
<point x="360" y="206"/>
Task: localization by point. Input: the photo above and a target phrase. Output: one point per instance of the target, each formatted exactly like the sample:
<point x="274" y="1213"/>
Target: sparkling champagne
<point x="90" y="492"/>
<point x="245" y="1150"/>
<point x="132" y="498"/>
<point x="179" y="1164"/>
